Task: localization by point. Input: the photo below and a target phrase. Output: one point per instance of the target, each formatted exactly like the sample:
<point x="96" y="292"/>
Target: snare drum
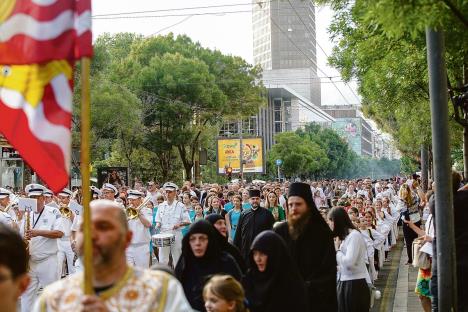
<point x="163" y="240"/>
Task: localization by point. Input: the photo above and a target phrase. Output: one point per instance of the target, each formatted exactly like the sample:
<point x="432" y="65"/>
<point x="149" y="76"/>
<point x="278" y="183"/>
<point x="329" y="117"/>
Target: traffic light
<point x="229" y="173"/>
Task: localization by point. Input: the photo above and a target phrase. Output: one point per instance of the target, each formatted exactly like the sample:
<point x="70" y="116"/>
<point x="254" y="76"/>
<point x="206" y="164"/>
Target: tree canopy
<point x="381" y="43"/>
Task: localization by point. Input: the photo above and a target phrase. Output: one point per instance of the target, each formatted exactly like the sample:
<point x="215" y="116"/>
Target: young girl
<point x="232" y="217"/>
<point x="222" y="293"/>
<point x="351" y="253"/>
<point x="198" y="212"/>
<point x="273" y="205"/>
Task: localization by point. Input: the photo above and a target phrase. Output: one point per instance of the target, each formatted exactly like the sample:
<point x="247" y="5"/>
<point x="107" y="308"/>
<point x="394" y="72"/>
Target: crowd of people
<point x="313" y="246"/>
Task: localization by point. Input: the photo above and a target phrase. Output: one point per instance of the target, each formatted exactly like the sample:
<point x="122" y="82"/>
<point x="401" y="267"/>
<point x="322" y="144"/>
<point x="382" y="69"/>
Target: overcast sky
<point x="230" y="33"/>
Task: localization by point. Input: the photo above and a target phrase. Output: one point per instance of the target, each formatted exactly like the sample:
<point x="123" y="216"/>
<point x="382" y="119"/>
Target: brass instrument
<point x="132" y="213"/>
<point x="11" y="204"/>
<point x="65" y="211"/>
<point x="27" y="227"/>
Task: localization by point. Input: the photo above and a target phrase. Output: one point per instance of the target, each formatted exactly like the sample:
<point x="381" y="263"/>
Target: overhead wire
<point x="310" y="59"/>
<point x="179" y="9"/>
<point x="318" y="44"/>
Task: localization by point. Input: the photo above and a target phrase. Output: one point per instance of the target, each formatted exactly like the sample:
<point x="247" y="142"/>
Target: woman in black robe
<point x="195" y="266"/>
<point x="214" y="219"/>
<point x="276" y="286"/>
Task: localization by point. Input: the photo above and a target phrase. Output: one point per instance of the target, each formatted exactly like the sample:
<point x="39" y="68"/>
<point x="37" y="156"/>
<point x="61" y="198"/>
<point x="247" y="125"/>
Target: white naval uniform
<point x="75" y="227"/>
<point x="43" y="266"/>
<point x="138" y="253"/>
<point x="168" y="216"/>
<point x="6" y="219"/>
<point x="64" y="248"/>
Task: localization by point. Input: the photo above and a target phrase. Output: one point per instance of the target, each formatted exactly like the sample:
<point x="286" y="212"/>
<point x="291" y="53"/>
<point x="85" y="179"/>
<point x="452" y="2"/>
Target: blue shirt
<point x="191" y="213"/>
<point x="234" y="219"/>
<point x="246" y="206"/>
<point x="228" y="206"/>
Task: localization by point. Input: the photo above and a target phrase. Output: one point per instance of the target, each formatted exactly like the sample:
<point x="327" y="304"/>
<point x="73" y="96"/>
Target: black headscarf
<point x="225" y="245"/>
<point x="201" y="227"/>
<point x="279" y="287"/>
<point x="193" y="271"/>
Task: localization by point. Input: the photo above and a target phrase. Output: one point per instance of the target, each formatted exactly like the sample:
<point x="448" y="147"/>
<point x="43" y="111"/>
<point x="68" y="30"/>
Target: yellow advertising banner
<point x="229" y="150"/>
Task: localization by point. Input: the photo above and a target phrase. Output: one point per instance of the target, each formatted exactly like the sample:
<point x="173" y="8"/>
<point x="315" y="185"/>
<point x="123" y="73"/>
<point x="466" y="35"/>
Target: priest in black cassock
<point x="310" y="241"/>
<point x="251" y="223"/>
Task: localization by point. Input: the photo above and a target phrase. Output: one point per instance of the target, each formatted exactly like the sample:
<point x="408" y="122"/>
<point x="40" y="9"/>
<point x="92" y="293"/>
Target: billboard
<point x="117" y="176"/>
<point x="350" y="130"/>
<point x="228" y="155"/>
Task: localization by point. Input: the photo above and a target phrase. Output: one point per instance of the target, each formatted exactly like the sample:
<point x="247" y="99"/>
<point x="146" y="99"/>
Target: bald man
<point x="117" y="285"/>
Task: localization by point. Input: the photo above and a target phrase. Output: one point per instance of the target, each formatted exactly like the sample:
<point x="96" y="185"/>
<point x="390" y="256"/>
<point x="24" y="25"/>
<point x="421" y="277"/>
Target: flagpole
<point x="85" y="175"/>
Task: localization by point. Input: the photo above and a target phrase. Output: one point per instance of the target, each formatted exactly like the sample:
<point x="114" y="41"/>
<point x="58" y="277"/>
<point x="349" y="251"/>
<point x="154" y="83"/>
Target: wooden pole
<point x="85" y="176"/>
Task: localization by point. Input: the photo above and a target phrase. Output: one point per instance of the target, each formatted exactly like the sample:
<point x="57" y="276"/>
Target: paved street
<point x="397" y="282"/>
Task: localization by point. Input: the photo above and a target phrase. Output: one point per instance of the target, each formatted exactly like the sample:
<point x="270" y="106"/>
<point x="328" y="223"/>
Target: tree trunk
<point x="424" y="167"/>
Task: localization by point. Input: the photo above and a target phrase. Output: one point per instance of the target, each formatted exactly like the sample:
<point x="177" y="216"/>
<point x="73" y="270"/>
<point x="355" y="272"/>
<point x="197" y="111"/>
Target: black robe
<point x="251" y="223"/>
<point x="314" y="254"/>
<point x="193" y="272"/>
<point x="460" y="205"/>
<point x="280" y="287"/>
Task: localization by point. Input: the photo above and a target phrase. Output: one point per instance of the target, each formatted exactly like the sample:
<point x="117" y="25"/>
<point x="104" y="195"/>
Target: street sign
<point x="279" y="162"/>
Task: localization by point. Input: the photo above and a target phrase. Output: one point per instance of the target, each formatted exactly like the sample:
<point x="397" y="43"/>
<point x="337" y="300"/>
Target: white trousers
<point x="42" y="274"/>
<point x="65" y="252"/>
<point x="139" y="255"/>
<point x="175" y="250"/>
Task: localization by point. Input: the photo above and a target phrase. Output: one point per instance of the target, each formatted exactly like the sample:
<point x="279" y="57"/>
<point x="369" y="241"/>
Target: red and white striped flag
<point x="39" y="41"/>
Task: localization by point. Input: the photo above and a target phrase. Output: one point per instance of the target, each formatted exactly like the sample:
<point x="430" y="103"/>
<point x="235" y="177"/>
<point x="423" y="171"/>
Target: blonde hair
<point x="227" y="288"/>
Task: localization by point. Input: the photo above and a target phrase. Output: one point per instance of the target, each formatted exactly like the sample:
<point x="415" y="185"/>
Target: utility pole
<point x="438" y="93"/>
<point x="241" y="155"/>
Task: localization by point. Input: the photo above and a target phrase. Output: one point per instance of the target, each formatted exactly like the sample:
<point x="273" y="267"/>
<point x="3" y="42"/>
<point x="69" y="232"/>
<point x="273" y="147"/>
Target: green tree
<point x="301" y="157"/>
<point x="381" y="43"/>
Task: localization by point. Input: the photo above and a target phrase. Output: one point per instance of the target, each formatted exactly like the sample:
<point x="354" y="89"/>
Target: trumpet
<point x="132" y="213"/>
<point x="65" y="211"/>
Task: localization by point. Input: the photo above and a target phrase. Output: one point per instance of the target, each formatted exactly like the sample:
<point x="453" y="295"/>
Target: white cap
<point x="170" y="186"/>
<point x="65" y="192"/>
<point x="48" y="193"/>
<point x="134" y="194"/>
<point x="95" y="190"/>
<point x="108" y="186"/>
<point x="4" y="193"/>
<point x="34" y="189"/>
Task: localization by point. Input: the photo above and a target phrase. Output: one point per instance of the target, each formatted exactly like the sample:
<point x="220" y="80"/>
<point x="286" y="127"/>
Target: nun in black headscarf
<point x="215" y="219"/>
<point x="310" y="242"/>
<point x="202" y="257"/>
<point x="273" y="282"/>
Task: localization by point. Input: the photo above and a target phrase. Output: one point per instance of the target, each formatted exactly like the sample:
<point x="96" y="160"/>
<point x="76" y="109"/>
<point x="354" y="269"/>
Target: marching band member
<point x="65" y="251"/>
<point x="109" y="191"/>
<point x="171" y="218"/>
<point x="41" y="228"/>
<point x="139" y="223"/>
<point x="7" y="213"/>
<point x="117" y="285"/>
<point x="49" y="199"/>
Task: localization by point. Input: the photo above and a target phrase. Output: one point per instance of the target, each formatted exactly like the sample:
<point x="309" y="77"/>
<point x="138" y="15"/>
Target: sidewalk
<point x="397" y="282"/>
<point x="406" y="300"/>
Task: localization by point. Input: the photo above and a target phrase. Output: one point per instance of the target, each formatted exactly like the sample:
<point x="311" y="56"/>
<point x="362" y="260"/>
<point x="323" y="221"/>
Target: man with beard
<point x="310" y="241"/>
<point x="117" y="285"/>
<point x="251" y="223"/>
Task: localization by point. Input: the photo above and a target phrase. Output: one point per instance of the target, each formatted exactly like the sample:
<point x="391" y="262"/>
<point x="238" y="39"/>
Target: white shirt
<point x="51" y="220"/>
<point x="141" y="233"/>
<point x="170" y="215"/>
<point x="5" y="218"/>
<point x="351" y="258"/>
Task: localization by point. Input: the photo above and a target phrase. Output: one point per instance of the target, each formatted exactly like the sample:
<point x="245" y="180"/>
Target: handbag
<point x="420" y="259"/>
